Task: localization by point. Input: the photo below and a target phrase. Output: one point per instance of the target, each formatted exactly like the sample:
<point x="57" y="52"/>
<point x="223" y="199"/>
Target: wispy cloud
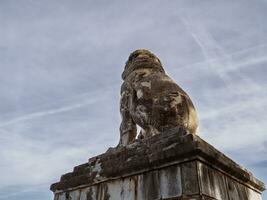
<point x="50" y="52"/>
<point x="15" y="191"/>
<point x="240" y="59"/>
<point x="210" y="48"/>
<point x="87" y="99"/>
<point x="24" y="158"/>
<point x="217" y="59"/>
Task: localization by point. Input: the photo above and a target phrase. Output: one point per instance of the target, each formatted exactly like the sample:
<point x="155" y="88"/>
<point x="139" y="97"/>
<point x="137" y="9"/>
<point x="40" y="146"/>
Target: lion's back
<point x="161" y="103"/>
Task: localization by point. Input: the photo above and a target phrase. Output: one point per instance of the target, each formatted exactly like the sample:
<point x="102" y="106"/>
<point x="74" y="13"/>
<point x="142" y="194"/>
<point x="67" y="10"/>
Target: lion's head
<point x="140" y="59"/>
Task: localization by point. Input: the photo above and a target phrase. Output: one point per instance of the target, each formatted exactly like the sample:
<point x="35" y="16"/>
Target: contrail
<point x="244" y="53"/>
<point x="53" y="111"/>
<point x="214" y="53"/>
<point x="44" y="113"/>
<point x="209" y="48"/>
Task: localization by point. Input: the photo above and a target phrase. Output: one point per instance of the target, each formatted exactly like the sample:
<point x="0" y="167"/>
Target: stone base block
<point x="166" y="166"/>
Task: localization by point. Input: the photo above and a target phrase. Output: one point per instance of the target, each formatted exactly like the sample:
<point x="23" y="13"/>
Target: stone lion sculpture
<point x="152" y="100"/>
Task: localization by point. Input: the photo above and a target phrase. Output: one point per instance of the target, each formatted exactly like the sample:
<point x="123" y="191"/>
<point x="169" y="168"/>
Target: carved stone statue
<point x="152" y="100"/>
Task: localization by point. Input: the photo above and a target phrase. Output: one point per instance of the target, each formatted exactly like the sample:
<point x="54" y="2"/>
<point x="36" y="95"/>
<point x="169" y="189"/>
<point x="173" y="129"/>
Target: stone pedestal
<point x="165" y="166"/>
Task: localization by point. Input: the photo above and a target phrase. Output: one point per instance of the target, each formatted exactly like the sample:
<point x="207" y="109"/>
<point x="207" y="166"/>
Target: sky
<point x="60" y="75"/>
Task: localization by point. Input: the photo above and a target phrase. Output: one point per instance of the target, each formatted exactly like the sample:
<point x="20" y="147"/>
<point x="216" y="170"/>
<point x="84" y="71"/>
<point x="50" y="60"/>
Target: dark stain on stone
<point x="237" y="191"/>
<point x="122" y="189"/>
<point x="189" y="178"/>
<point x="135" y="180"/>
<point x="212" y="181"/>
<point x="208" y="187"/>
<point x="67" y="196"/>
<point x="151" y="185"/>
<point x="173" y="181"/>
<point x="97" y="191"/>
<point x="106" y="194"/>
<point x="103" y="192"/>
<point x="89" y="194"/>
<point x="56" y="197"/>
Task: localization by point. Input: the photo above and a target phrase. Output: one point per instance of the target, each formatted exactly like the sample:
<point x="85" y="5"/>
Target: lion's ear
<point x="123" y="75"/>
<point x="156" y="60"/>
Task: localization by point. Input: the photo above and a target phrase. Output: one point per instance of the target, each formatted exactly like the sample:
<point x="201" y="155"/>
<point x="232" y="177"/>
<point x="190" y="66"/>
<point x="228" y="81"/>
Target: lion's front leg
<point x="128" y="127"/>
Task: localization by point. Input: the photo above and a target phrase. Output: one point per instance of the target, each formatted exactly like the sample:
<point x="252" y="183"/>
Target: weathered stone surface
<point x="190" y="178"/>
<point x="150" y="187"/>
<point x="88" y="193"/>
<point x="152" y="100"/>
<point x="170" y="182"/>
<point x="165" y="166"/>
<point x="212" y="182"/>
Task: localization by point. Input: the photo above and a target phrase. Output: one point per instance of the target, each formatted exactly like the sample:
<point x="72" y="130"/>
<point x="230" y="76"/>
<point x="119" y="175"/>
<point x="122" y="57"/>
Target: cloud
<point x="87" y="100"/>
<point x="25" y="192"/>
<point x="60" y="67"/>
<point x="29" y="161"/>
<point x="262" y="164"/>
